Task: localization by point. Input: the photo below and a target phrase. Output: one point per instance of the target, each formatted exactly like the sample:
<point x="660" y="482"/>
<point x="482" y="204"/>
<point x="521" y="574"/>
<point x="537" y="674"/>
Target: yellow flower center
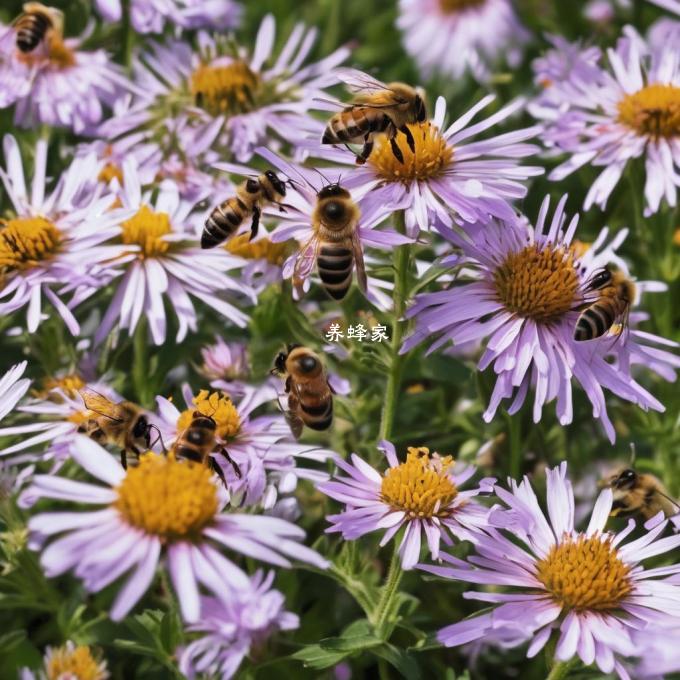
<point x="108" y="172"/>
<point x="217" y="406"/>
<point x="26" y="241"/>
<point x="653" y="111"/>
<point x="431" y="157"/>
<point x="453" y="6"/>
<point x="225" y="89"/>
<point x="585" y="574"/>
<point x="146" y="229"/>
<point x="74" y="662"/>
<point x="421" y="486"/>
<point x="166" y="497"/>
<point x="68" y="384"/>
<point x="538" y="283"/>
<point x="264" y="249"/>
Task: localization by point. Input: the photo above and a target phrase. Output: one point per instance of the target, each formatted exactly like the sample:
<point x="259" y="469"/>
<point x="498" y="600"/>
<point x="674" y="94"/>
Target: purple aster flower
<point x="523" y="299"/>
<point x="449" y="175"/>
<point x="421" y="494"/>
<point x="226" y="363"/>
<point x="262" y="446"/>
<point x="450" y="37"/>
<point x="296" y="221"/>
<point x="230" y="631"/>
<point x="659" y="653"/>
<point x="54" y="240"/>
<point x="230" y="100"/>
<point x="588" y="586"/>
<point x="161" y="508"/>
<point x="670" y="5"/>
<point x="69" y="662"/>
<point x="629" y="113"/>
<point x="149" y="16"/>
<point x="58" y="84"/>
<point x="12" y="387"/>
<point x="164" y="261"/>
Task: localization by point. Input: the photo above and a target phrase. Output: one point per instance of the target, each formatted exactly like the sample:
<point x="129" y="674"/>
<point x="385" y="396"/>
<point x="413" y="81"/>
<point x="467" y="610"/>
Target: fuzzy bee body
<point x="251" y="196"/>
<point x="616" y="294"/>
<point x="310" y="398"/>
<point x="335" y="247"/>
<point x="377" y="108"/>
<point x="198" y="441"/>
<point x="34" y="24"/>
<point x="637" y="493"/>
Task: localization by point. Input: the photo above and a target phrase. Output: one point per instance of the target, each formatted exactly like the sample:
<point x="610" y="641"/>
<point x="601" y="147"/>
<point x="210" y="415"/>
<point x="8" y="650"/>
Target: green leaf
<point x="350" y="643"/>
<point x="10" y="640"/>
<point x="402" y="660"/>
<point x="313" y="656"/>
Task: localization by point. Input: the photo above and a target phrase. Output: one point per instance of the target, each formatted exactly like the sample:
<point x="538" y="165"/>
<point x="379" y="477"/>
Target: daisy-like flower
<point x="69" y="662"/>
<point x="631" y="113"/>
<point x="296" y="222"/>
<point x="261" y="446"/>
<point x="149" y="16"/>
<point x="165" y="262"/>
<point x="163" y="508"/>
<point x="226" y="99"/>
<point x="12" y="388"/>
<point x="226" y="365"/>
<point x="659" y="654"/>
<point x="421" y="494"/>
<point x="670" y="5"/>
<point x="58" y="83"/>
<point x="231" y="631"/>
<point x="588" y="586"/>
<point x="53" y="240"/>
<point x="449" y="173"/>
<point x="450" y="37"/>
<point x="523" y="302"/>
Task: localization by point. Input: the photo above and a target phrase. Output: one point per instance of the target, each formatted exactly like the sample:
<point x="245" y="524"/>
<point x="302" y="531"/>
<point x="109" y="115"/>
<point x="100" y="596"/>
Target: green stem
<point x="515" y="442"/>
<point x="140" y="363"/>
<point x="401" y="265"/>
<point x="560" y="670"/>
<point x="389" y="590"/>
<point x="128" y="33"/>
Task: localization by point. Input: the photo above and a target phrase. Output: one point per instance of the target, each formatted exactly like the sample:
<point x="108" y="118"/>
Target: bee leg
<point x="396" y="150"/>
<point x="409" y="137"/>
<point x="255" y="224"/>
<point x="123" y="458"/>
<point x="215" y="467"/>
<point x="365" y="152"/>
<point x="234" y="464"/>
<point x="288" y="384"/>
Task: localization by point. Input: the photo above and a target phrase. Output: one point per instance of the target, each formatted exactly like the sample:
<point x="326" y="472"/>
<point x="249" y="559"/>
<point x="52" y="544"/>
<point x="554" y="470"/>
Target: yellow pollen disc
<point x="653" y="111"/>
<point x="453" y="6"/>
<point x="166" y="497"/>
<point x="26" y="241"/>
<point x="109" y="172"/>
<point x="538" y="283"/>
<point x="74" y="662"/>
<point x="68" y="384"/>
<point x="229" y="88"/>
<point x="421" y="486"/>
<point x="585" y="574"/>
<point x="146" y="230"/>
<point x="264" y="249"/>
<point x="218" y="406"/>
<point x="432" y="155"/>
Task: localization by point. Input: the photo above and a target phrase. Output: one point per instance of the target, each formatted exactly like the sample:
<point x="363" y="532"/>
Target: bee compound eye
<point x="141" y="427"/>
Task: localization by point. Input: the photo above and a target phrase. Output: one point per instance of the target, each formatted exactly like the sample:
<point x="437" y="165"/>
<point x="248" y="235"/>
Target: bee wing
<point x="306" y="259"/>
<point x="98" y="403"/>
<point x="359" y="261"/>
<point x="360" y="82"/>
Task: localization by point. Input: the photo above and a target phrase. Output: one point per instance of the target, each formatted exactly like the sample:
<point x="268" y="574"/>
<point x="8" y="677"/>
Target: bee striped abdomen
<point x="335" y="264"/>
<point x="353" y="124"/>
<point x="318" y="417"/>
<point x="31" y="29"/>
<point x="221" y="224"/>
<point x="595" y="321"/>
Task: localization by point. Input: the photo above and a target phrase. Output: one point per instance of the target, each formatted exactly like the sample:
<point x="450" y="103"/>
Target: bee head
<point x="421" y="110"/>
<point x="625" y="479"/>
<point x="141" y="430"/>
<point x="280" y="362"/>
<point x="278" y="185"/>
<point x="600" y="279"/>
<point x="333" y="204"/>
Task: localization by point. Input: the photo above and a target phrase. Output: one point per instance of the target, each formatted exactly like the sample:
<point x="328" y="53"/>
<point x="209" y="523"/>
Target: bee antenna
<point x="633" y="453"/>
<point x="323" y="177"/>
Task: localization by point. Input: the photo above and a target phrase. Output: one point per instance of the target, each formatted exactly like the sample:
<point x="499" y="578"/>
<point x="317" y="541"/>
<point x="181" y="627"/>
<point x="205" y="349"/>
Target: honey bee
<point x="121" y="424"/>
<point x="335" y="247"/>
<point x="616" y="294"/>
<point x="310" y="400"/>
<point x="198" y="441"/>
<point x="376" y="108"/>
<point x="637" y="493"/>
<point x="251" y="196"/>
<point x="33" y="25"/>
